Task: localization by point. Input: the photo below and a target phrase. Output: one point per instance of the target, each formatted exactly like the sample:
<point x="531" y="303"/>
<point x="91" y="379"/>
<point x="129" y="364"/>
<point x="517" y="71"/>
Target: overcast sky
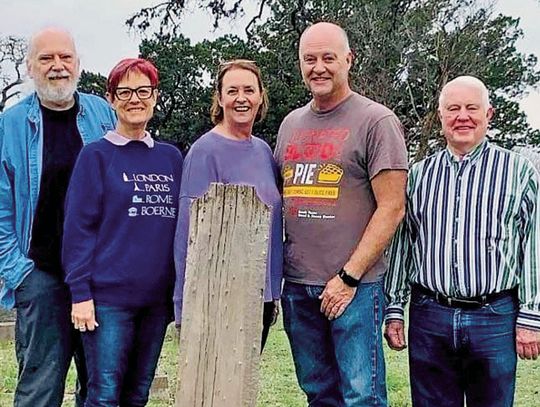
<point x="103" y="39"/>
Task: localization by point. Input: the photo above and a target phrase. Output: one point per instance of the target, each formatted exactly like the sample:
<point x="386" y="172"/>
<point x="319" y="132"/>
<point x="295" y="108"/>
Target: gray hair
<point x="469" y="81"/>
<point x="31" y="42"/>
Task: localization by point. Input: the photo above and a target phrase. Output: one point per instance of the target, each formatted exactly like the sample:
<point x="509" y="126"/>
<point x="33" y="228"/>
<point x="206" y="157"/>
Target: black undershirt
<point x="61" y="146"/>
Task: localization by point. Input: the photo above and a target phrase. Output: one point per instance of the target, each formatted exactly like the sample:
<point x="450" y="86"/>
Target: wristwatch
<point x="348" y="279"/>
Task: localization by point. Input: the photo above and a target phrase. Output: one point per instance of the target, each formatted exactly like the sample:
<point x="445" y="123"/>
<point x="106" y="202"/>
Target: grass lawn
<point x="278" y="380"/>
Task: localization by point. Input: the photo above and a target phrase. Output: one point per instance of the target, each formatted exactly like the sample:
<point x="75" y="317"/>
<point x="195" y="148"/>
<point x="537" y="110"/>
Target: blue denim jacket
<point x="21" y="145"/>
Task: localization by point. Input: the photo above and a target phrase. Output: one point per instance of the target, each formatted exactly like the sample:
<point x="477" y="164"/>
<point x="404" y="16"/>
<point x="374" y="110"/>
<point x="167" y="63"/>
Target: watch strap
<point x="348" y="279"/>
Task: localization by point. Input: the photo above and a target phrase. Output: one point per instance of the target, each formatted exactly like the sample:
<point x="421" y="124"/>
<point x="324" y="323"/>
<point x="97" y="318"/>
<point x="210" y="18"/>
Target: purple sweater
<point x="121" y="210"/>
<point x="214" y="158"/>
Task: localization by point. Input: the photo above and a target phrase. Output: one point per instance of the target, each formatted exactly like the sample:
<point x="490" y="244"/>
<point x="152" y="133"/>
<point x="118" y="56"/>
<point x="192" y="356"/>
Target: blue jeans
<point x="456" y="353"/>
<point x="122" y="354"/>
<point x="339" y="362"/>
<point x="45" y="342"/>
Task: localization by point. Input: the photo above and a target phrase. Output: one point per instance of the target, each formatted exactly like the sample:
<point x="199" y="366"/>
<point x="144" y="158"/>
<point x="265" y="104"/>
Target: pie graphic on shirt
<point x="287" y="172"/>
<point x="330" y="174"/>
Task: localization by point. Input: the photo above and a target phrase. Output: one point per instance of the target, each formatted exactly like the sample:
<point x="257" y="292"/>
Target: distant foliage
<point x="95" y="84"/>
<point x="406" y="50"/>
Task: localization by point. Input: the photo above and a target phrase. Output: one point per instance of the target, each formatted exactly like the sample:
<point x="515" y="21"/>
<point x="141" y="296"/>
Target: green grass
<point x="278" y="386"/>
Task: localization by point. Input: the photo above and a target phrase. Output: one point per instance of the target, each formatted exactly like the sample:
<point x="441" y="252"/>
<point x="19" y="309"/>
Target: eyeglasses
<point x="143" y="92"/>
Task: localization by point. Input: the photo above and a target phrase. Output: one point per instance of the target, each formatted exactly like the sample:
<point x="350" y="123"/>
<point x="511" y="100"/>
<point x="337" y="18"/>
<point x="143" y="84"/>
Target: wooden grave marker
<point x="223" y="299"/>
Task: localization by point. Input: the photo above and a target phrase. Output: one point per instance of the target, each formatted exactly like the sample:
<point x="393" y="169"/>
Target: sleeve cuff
<point x="14" y="279"/>
<point x="177" y="311"/>
<point x="528" y="319"/>
<point x="80" y="292"/>
<point x="394" y="313"/>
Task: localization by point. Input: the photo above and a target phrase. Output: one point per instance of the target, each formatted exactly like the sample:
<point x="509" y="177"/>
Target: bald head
<point x="325" y="61"/>
<point x="465" y="82"/>
<point x="328" y="30"/>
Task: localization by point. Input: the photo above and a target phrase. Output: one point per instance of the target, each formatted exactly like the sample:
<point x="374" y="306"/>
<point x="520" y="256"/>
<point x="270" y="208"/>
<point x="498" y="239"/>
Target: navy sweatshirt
<point x="121" y="210"/>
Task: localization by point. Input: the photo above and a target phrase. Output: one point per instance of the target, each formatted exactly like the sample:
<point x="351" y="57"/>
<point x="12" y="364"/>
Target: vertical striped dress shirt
<point x="472" y="228"/>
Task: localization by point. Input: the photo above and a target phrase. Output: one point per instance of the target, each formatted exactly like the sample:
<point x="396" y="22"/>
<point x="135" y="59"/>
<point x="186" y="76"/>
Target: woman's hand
<point x="83" y="316"/>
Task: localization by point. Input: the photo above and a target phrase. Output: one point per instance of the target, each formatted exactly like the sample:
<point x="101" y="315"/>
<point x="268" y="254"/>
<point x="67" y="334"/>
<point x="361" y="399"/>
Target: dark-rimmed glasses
<point x="143" y="92"/>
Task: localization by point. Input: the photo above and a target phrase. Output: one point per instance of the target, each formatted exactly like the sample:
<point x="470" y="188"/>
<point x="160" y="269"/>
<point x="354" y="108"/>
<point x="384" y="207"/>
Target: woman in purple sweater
<point x="230" y="154"/>
<point x="121" y="210"/>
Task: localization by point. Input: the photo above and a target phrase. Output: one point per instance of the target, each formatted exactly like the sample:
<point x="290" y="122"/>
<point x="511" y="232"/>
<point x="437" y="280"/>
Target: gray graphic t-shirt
<point x="326" y="161"/>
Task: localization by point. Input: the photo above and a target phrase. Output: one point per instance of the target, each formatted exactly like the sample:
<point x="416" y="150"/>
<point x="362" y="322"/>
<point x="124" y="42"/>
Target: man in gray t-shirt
<point x="344" y="166"/>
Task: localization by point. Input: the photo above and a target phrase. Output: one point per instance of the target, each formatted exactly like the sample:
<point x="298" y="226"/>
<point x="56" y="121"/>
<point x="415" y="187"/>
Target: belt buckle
<point x="465" y="303"/>
<point x="456" y="302"/>
<point x="443" y="300"/>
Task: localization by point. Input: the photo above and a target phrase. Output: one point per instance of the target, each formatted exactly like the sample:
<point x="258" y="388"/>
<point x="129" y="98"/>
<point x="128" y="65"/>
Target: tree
<point x="181" y="111"/>
<point x="95" y="84"/>
<point x="169" y="12"/>
<point x="12" y="53"/>
<point x="186" y="85"/>
<point x="406" y="50"/>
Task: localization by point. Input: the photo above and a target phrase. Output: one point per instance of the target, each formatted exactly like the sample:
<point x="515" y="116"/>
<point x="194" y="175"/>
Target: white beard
<point x="47" y="91"/>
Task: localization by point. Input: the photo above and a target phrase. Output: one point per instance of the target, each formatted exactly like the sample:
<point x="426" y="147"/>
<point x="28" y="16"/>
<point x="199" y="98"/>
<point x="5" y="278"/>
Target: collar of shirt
<point x="118" y="140"/>
<point x="472" y="157"/>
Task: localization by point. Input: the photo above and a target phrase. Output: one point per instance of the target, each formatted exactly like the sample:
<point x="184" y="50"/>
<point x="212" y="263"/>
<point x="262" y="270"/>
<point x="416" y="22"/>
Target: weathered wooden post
<point x="223" y="299"/>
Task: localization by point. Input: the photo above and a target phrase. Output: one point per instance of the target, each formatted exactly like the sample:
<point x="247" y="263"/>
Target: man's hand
<point x="394" y="333"/>
<point x="336" y="297"/>
<point x="527" y="343"/>
<point x="83" y="316"/>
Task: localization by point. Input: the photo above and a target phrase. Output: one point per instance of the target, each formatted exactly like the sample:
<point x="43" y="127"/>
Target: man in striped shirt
<point x="468" y="251"/>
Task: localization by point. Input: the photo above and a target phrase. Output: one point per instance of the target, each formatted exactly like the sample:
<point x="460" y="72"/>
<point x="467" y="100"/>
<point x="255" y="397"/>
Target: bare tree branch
<point x="168" y="13"/>
<point x="12" y="54"/>
<point x="249" y="34"/>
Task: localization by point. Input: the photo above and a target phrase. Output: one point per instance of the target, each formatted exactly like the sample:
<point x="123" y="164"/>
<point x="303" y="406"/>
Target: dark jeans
<point x="123" y="352"/>
<point x="45" y="342"/>
<point x="456" y="353"/>
<point x="340" y="362"/>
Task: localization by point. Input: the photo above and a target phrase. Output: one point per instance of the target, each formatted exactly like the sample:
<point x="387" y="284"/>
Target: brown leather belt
<point x="465" y="303"/>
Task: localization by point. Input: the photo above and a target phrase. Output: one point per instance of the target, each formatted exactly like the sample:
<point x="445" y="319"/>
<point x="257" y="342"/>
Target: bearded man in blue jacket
<point x="40" y="138"/>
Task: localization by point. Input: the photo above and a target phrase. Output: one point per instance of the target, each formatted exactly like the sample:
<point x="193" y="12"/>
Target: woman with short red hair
<point x="121" y="210"/>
